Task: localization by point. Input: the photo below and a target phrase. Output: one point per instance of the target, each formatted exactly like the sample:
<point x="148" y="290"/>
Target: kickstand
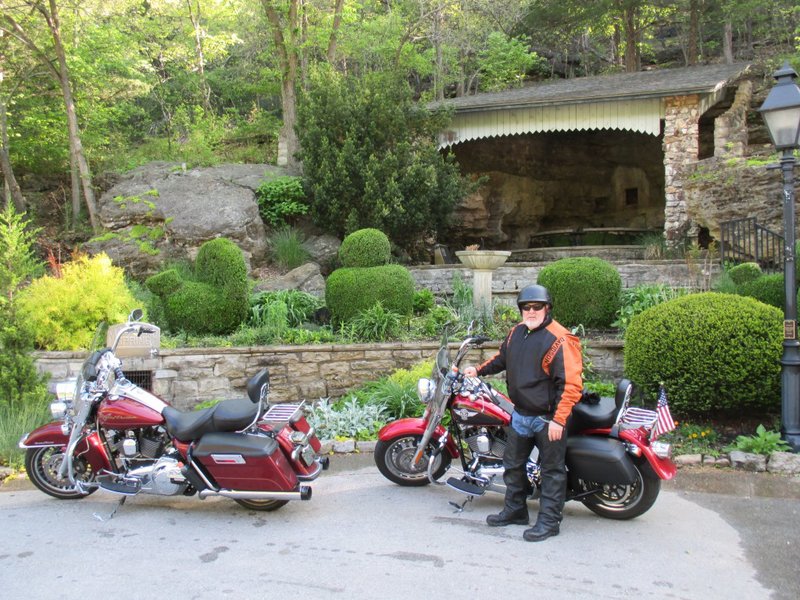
<point x="460" y="507"/>
<point x="113" y="512"/>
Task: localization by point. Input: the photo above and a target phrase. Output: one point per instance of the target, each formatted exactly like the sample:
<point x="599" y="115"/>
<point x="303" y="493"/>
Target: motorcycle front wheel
<point x="43" y="465"/>
<point x="263" y="505"/>
<point x="621" y="502"/>
<point x="395" y="461"/>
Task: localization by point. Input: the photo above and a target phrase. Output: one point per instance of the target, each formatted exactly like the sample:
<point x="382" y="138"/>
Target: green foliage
<point x="300" y="306"/>
<point x="365" y="248"/>
<point x="768" y="289"/>
<point x="346" y="418"/>
<point x="585" y="291"/>
<point x="287" y="248"/>
<point x="744" y="273"/>
<point x="281" y="200"/>
<point x="505" y="61"/>
<point x="18" y="419"/>
<point x="715" y="353"/>
<point x="63" y="312"/>
<point x="376" y="324"/>
<point x="216" y="302"/>
<point x="762" y="442"/>
<point x="397" y="393"/>
<point x="17" y="260"/>
<point x="351" y="291"/>
<point x="423" y="301"/>
<point x="371" y="160"/>
<point x="690" y="438"/>
<point x="641" y="297"/>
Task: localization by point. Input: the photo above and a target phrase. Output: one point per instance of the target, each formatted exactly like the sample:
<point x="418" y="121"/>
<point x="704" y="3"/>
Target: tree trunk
<point x="691" y="43"/>
<point x="76" y="147"/>
<point x="727" y="42"/>
<point x="13" y="190"/>
<point x="337" y="21"/>
<point x="194" y="17"/>
<point x="632" y="60"/>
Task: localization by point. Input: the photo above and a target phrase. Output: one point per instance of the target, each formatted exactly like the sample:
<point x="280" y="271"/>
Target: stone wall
<point x="511" y="277"/>
<point x="186" y="377"/>
<point x="681" y="143"/>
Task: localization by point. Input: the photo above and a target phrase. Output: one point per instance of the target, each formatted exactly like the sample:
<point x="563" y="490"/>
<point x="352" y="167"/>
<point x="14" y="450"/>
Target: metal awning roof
<point x="628" y="101"/>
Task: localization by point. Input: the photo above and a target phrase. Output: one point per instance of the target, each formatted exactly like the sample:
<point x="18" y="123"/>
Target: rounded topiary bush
<point x="745" y="272"/>
<point x="216" y="301"/>
<point x="365" y="248"/>
<point x="351" y="291"/>
<point x="220" y="263"/>
<point x="717" y="354"/>
<point x="768" y="289"/>
<point x="585" y="291"/>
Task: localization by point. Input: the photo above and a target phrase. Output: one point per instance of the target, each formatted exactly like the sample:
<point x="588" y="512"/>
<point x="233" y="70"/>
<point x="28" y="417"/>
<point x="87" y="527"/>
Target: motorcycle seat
<point x="593" y="416"/>
<point x="228" y="415"/>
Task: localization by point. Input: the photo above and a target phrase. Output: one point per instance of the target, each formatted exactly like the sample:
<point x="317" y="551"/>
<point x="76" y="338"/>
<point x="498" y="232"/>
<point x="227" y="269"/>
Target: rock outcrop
<point x="162" y="212"/>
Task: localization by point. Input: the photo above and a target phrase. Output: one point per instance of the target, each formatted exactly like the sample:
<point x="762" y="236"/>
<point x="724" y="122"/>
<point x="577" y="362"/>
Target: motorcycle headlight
<point x="62" y="390"/>
<point x="58" y="409"/>
<point x="425" y="390"/>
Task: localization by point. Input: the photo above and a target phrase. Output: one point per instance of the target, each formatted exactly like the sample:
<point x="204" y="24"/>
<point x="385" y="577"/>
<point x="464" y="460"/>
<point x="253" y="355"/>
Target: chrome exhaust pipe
<point x="304" y="493"/>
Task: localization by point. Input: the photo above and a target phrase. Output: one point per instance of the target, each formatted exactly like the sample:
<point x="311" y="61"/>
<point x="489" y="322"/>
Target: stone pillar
<point x="681" y="145"/>
<point x="730" y="128"/>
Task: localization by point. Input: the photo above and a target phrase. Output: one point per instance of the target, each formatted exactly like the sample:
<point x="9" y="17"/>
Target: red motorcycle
<point x="614" y="466"/>
<point x="113" y="435"/>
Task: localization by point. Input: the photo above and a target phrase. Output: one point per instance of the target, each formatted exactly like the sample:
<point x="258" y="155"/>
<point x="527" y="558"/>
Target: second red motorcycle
<point x="615" y="466"/>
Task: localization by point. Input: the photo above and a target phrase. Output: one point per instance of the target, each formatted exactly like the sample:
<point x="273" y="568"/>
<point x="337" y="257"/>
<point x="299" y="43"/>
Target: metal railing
<point x="744" y="240"/>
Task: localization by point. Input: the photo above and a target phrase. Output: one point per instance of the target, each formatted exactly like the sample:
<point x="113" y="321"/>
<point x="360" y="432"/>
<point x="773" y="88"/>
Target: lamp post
<point x="781" y="111"/>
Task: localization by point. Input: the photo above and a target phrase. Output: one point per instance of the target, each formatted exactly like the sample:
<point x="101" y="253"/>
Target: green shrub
<point x="376" y="324"/>
<point x="762" y="442"/>
<point x="346" y="418"/>
<point x="281" y="200"/>
<point x="641" y="297"/>
<point x="300" y="306"/>
<point x="64" y="311"/>
<point x="365" y="248"/>
<point x="215" y="301"/>
<point x="716" y="353"/>
<point x="220" y="263"/>
<point x="768" y="289"/>
<point x="423" y="301"/>
<point x="744" y="272"/>
<point x="351" y="291"/>
<point x="585" y="291"/>
<point x="287" y="248"/>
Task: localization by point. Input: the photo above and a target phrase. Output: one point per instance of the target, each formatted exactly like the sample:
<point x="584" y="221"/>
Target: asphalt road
<point x="362" y="537"/>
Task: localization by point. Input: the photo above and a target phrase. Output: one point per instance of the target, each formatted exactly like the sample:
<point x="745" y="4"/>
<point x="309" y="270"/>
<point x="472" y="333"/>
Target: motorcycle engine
<point x="482" y="441"/>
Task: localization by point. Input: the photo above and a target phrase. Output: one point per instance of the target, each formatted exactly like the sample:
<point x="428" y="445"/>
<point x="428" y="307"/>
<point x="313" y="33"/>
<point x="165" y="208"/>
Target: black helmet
<point x="534" y="293"/>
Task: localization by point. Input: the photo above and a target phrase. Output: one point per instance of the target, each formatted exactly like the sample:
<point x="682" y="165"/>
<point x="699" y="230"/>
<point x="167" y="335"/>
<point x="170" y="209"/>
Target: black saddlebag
<point x="599" y="459"/>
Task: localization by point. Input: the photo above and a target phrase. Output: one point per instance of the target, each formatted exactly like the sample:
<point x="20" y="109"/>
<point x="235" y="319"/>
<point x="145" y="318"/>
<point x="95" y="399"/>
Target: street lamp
<point x="781" y="111"/>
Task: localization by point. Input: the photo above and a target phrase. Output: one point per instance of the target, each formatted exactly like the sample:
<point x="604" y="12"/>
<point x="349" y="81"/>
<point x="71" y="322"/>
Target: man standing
<point x="543" y="366"/>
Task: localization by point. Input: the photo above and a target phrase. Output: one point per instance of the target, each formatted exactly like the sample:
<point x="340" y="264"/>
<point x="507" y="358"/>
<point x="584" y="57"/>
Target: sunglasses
<point x="533" y="306"/>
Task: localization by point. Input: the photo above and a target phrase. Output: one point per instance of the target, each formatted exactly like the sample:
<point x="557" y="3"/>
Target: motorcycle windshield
<point x="442" y="365"/>
<point x="88" y="368"/>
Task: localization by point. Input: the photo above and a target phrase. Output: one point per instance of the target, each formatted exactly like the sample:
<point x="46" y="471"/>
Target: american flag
<point x="665" y="424"/>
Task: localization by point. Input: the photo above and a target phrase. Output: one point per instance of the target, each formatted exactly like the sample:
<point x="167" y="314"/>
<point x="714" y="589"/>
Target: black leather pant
<point x="554" y="475"/>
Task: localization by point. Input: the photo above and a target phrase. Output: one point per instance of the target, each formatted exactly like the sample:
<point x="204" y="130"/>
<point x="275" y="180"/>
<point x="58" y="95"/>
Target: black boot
<point x="508" y="517"/>
<point x="539" y="533"/>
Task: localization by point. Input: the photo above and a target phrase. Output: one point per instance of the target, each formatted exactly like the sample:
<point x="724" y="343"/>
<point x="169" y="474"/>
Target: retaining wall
<point x="187" y="376"/>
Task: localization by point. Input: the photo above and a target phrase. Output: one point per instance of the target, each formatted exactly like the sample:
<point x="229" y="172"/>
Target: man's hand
<point x="554" y="431"/>
<point x="470" y="372"/>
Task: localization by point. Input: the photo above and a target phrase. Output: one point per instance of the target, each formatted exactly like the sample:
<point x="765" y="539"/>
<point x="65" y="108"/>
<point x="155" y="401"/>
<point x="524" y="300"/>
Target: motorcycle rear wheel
<point x="622" y="502"/>
<point x="263" y="505"/>
<point x="42" y="465"/>
<point x="394" y="459"/>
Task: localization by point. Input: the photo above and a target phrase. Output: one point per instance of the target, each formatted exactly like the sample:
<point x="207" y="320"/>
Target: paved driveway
<point x="362" y="537"/>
